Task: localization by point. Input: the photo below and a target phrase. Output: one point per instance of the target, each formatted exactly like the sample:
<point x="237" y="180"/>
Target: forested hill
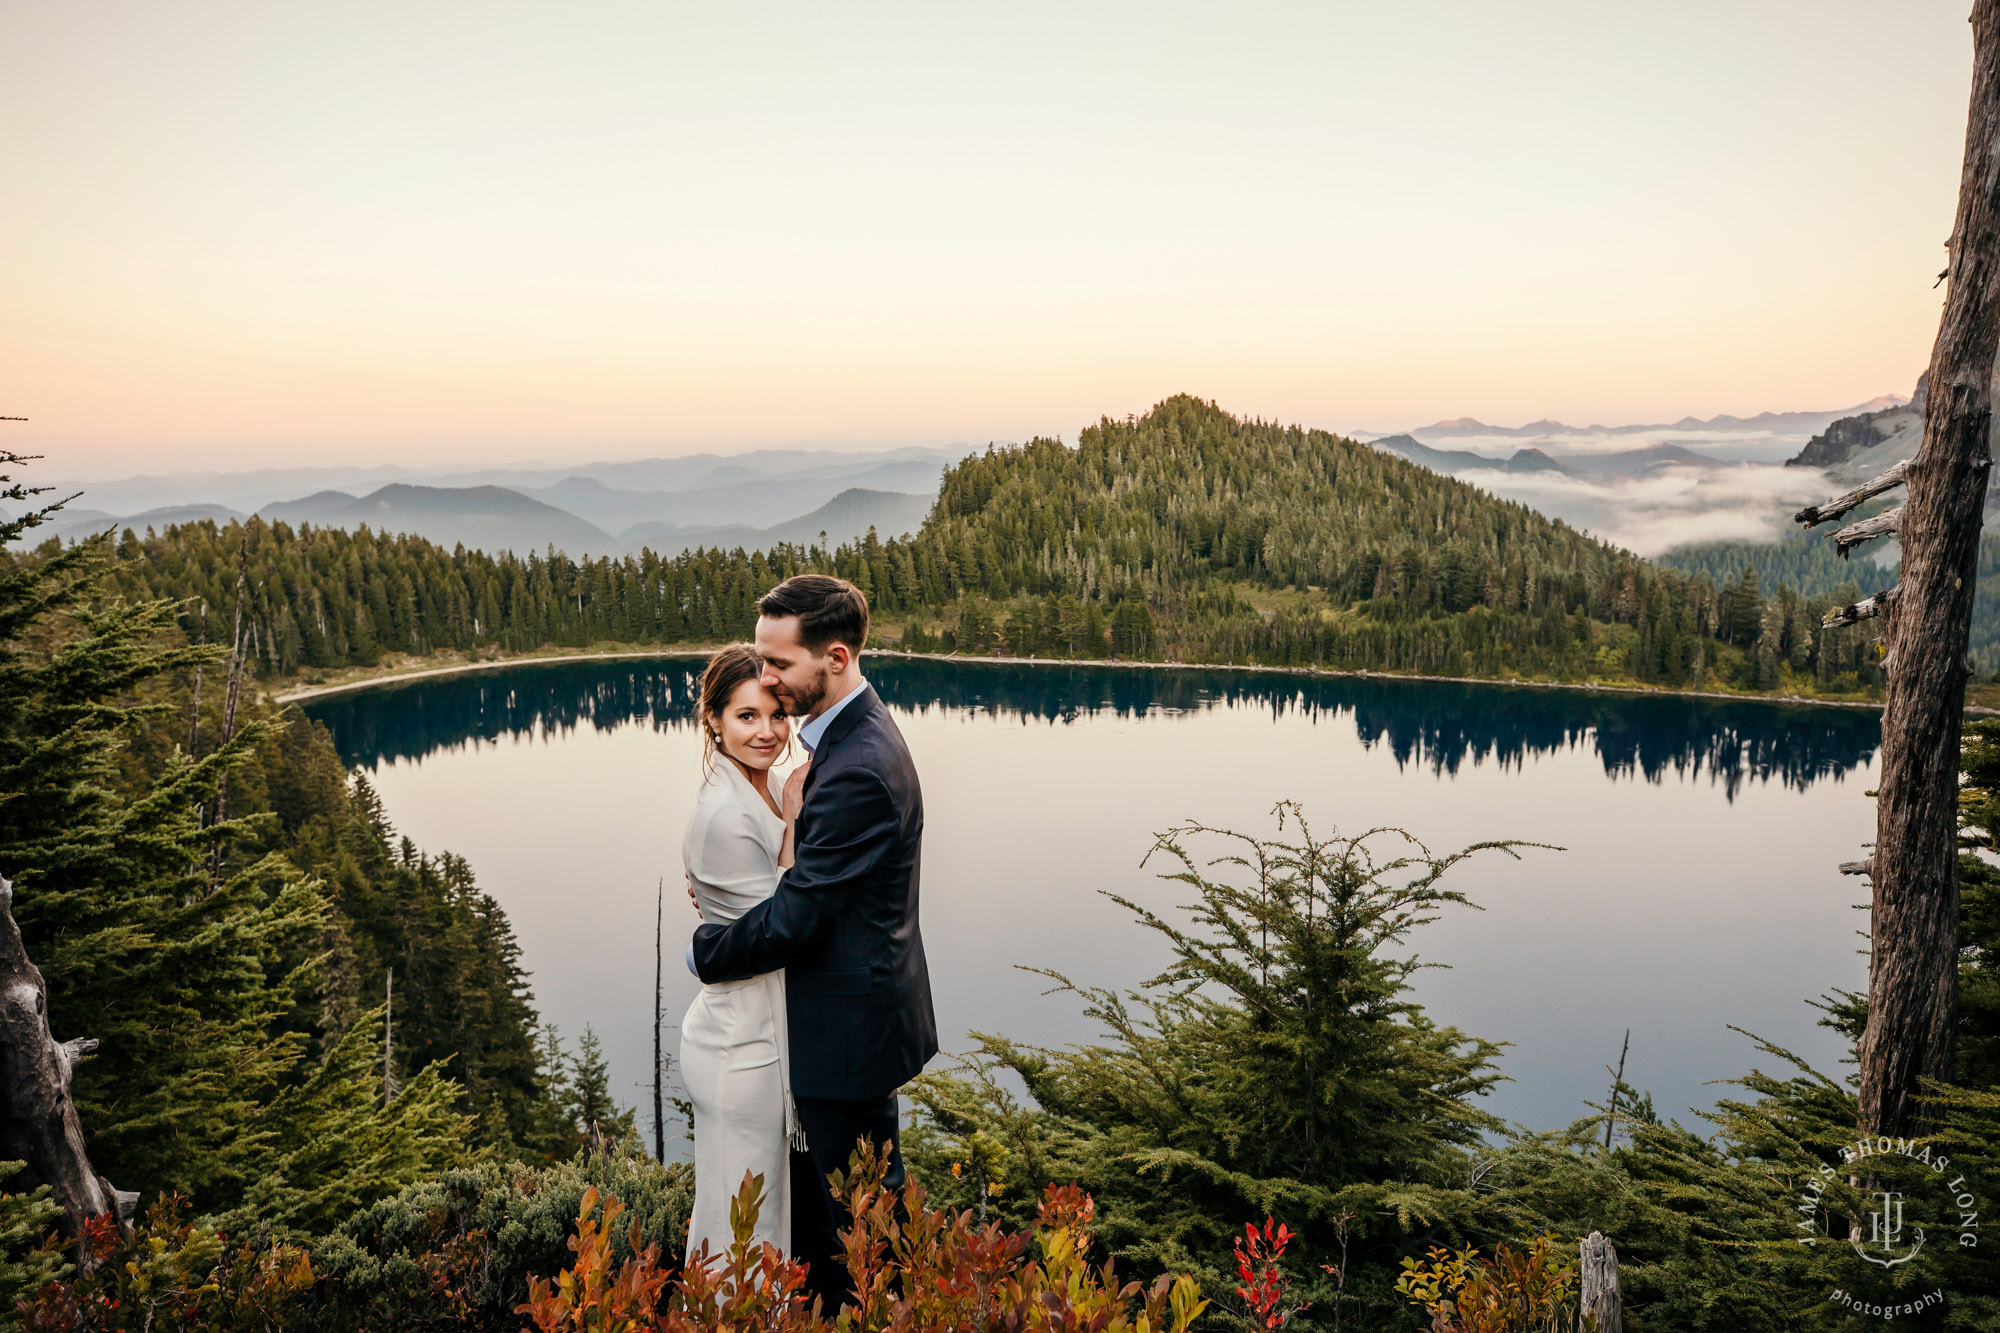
<point x="1213" y="538"/>
<point x="1188" y="496"/>
<point x="1187" y="534"/>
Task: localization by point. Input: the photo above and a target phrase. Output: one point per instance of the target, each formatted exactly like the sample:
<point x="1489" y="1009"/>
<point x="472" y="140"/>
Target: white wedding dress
<point x="733" y="1047"/>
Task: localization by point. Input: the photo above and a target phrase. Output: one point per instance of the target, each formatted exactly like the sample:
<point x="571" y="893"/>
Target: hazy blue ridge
<point x="845" y="518"/>
<point x="484" y="517"/>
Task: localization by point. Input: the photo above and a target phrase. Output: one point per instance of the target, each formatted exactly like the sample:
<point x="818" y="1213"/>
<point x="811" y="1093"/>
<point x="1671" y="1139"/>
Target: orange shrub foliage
<point x="914" y="1269"/>
<point x="1528" y="1290"/>
<point x="169" y="1274"/>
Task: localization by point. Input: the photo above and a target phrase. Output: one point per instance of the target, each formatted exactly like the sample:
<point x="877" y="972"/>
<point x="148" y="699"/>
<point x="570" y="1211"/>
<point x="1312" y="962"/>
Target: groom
<point x="843" y="919"/>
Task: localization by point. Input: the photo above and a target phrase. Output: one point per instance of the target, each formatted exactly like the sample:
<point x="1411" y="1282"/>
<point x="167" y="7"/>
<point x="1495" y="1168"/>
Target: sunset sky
<point x="247" y="235"/>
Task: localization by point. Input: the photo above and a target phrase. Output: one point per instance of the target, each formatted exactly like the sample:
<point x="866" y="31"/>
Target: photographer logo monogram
<point x="1904" y="1216"/>
<point x="1885" y="1233"/>
<point x="1946" y="1200"/>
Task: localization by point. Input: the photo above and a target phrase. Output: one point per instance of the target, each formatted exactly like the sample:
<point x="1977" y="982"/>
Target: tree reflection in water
<point x="1439" y="726"/>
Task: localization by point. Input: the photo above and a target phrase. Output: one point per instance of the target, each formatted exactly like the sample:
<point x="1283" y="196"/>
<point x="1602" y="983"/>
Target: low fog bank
<point x="1668" y="507"/>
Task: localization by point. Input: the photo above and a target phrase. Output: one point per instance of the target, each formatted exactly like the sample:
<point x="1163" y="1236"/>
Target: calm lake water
<point x="1697" y="888"/>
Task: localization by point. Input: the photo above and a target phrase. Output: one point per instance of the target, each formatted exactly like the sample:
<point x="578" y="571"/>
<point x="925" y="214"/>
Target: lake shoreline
<point x="397" y="675"/>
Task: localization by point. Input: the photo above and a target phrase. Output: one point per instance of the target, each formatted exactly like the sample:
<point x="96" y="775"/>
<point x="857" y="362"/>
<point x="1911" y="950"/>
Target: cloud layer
<point x="1667" y="507"/>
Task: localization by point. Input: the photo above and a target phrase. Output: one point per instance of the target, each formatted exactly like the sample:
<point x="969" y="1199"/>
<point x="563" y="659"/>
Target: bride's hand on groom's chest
<point x="795" y="791"/>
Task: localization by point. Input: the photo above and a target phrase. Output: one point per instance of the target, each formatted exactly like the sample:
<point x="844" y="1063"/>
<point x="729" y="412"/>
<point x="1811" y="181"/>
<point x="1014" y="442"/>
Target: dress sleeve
<point x="731" y="857"/>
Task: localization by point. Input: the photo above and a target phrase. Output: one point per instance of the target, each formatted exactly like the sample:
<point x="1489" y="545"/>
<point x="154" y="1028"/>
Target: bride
<point x="733" y="1047"/>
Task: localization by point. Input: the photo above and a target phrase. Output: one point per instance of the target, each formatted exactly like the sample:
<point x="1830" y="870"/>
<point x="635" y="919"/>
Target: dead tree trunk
<point x="194" y="712"/>
<point x="220" y="806"/>
<point x="1913" y="963"/>
<point x="38" y="1122"/>
<point x="659" y="1056"/>
<point x="1602" y="1298"/>
<point x="1617" y="1082"/>
<point x="389" y="1037"/>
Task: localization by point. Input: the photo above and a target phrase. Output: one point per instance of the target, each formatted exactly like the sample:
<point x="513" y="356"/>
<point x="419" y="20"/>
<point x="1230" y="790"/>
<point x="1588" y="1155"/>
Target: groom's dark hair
<point x="830" y="610"/>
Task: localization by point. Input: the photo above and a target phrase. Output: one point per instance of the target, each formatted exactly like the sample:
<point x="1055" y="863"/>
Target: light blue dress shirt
<point x="813" y="728"/>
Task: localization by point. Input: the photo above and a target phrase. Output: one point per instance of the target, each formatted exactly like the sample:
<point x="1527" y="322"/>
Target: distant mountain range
<point x="1861" y="446"/>
<point x="495" y="518"/>
<point x="912" y="470"/>
<point x="764" y="497"/>
<point x="846" y="517"/>
<point x="1646" y="488"/>
<point x="79" y="521"/>
<point x="486" y="518"/>
<point x="1783" y="423"/>
<point x="735" y="496"/>
<point x="1868" y="443"/>
<point x="1869" y="440"/>
<point x="1449" y="461"/>
<point x="1619" y="463"/>
<point x="755" y="500"/>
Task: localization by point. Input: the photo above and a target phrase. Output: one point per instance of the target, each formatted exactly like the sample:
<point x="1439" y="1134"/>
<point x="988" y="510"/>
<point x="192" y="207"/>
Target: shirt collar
<point x="812" y="729"/>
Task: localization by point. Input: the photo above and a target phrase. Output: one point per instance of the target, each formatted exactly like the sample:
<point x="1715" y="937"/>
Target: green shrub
<point x="458" y="1251"/>
<point x="169" y="1274"/>
<point x="29" y="1257"/>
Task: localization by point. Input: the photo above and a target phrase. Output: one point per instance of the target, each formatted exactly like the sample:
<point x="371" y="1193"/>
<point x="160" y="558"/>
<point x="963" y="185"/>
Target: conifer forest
<point x="1186" y="535"/>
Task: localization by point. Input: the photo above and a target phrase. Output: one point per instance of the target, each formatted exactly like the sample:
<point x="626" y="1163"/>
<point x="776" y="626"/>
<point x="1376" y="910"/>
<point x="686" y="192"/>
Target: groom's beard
<point x="804" y="700"/>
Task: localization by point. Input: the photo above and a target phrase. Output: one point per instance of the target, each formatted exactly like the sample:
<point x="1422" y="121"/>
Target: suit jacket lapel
<point x="836" y="730"/>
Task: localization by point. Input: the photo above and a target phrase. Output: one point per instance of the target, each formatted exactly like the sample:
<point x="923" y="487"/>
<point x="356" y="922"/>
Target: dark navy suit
<point x="843" y="924"/>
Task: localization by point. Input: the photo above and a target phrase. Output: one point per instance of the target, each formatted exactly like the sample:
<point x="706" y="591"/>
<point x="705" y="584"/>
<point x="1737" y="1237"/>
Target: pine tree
<point x="334" y="1146"/>
<point x="553" y="1135"/>
<point x="1278" y="1065"/>
<point x="190" y="969"/>
<point x="593" y="1109"/>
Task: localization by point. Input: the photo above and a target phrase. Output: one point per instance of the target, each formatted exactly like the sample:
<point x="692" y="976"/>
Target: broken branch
<point x="1882" y="525"/>
<point x="1813" y="515"/>
<point x="1856" y="612"/>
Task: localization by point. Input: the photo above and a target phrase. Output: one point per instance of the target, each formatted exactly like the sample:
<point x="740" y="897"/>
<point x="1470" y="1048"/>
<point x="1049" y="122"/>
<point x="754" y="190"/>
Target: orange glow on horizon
<point x="242" y="237"/>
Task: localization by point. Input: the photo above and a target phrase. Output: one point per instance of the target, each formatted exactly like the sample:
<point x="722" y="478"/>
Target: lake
<point x="1697" y="887"/>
